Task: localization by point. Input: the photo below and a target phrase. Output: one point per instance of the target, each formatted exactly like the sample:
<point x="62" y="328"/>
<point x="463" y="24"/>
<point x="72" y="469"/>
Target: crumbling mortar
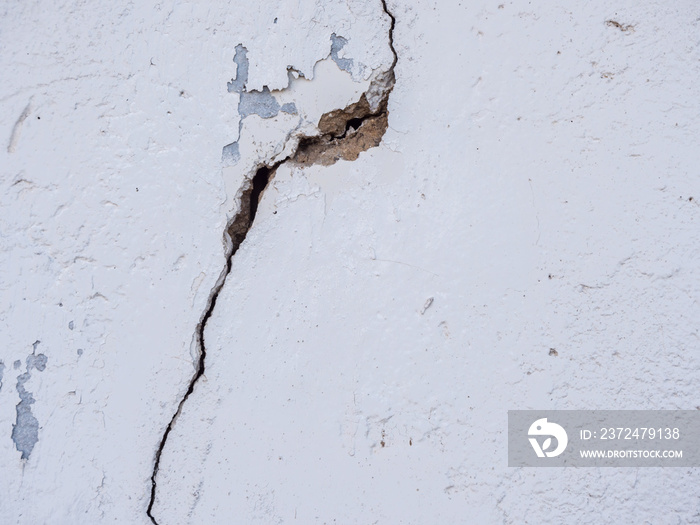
<point x="344" y="134"/>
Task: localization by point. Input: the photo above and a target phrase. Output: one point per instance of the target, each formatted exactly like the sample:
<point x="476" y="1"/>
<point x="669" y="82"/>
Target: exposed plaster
<point x="237" y="85"/>
<point x="338" y="43"/>
<point x="25" y="431"/>
<point x="345" y="133"/>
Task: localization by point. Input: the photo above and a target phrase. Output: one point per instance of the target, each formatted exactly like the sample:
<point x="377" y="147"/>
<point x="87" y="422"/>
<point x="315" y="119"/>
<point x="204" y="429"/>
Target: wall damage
<point x="342" y="134"/>
<point x="25" y="431"/>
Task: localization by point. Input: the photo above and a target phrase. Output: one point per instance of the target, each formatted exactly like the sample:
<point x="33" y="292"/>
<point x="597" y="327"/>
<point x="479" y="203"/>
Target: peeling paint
<point x="338" y="43"/>
<point x="260" y="103"/>
<point x="237" y="85"/>
<point x="230" y="154"/>
<point x="25" y="431"/>
<point x="290" y="108"/>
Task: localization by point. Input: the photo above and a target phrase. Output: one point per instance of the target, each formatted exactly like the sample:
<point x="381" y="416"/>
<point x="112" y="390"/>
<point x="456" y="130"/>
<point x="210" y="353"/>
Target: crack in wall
<point x="345" y="133"/>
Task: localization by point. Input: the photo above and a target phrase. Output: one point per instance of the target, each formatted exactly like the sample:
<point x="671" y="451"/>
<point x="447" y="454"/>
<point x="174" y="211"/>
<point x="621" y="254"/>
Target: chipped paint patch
<point x="260" y="103"/>
<point x="237" y="85"/>
<point x="25" y="431"/>
<point x="290" y="108"/>
<point x="231" y="154"/>
<point x="338" y="43"/>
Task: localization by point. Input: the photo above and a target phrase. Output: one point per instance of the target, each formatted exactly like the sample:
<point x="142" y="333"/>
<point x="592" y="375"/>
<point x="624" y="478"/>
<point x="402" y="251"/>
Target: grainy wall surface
<point x="524" y="237"/>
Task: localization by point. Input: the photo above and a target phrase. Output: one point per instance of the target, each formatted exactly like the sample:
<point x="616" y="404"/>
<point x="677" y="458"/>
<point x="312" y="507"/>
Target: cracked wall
<point x="341" y="133"/>
<point x="519" y="232"/>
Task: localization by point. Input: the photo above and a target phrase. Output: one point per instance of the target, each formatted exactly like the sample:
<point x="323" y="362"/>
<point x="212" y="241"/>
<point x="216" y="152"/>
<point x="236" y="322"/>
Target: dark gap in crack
<point x="345" y="134"/>
<point x="262" y="177"/>
<point x="354" y="124"/>
<point x="238" y="228"/>
<point x="391" y="36"/>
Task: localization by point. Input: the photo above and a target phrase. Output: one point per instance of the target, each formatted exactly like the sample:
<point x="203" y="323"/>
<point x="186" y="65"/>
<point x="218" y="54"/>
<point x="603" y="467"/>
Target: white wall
<point x="538" y="182"/>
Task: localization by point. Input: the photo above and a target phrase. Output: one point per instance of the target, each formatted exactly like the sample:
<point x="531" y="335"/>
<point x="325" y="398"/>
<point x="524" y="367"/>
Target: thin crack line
<point x="391" y="35"/>
<point x="237" y="229"/>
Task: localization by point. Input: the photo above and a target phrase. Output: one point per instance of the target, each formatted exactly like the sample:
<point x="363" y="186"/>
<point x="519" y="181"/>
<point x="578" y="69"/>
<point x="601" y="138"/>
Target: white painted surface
<point x="535" y="182"/>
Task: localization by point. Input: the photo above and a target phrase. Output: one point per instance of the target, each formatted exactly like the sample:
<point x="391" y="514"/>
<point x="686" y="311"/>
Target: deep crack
<point x="345" y="133"/>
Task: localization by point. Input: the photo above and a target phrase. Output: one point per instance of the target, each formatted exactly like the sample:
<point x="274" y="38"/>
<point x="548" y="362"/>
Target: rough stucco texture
<point x="537" y="189"/>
